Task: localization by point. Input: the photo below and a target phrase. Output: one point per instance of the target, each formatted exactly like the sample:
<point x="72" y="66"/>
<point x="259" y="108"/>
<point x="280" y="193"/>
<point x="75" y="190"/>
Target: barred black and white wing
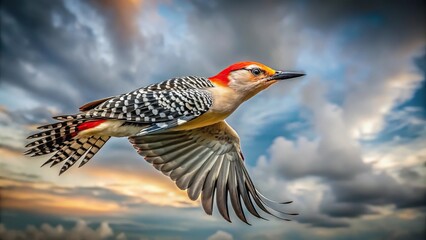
<point x="159" y="106"/>
<point x="207" y="161"/>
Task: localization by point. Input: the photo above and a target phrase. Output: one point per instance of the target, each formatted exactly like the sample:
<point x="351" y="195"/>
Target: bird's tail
<point x="62" y="137"/>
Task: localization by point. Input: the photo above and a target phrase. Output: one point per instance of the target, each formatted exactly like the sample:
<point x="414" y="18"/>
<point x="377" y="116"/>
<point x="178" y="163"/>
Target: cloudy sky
<point x="346" y="143"/>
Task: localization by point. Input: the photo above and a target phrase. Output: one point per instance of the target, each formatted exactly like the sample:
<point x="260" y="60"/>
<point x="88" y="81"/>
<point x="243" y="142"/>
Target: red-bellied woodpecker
<point x="179" y="127"/>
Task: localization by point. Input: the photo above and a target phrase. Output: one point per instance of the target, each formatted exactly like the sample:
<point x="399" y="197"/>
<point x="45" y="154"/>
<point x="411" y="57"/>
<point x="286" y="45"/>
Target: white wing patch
<point x="157" y="127"/>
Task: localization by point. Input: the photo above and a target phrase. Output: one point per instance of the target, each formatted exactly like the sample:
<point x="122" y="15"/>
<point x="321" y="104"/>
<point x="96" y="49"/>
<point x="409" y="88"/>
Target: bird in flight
<point x="179" y="127"/>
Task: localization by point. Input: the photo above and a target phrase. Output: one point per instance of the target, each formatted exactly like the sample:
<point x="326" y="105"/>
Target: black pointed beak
<point x="283" y="75"/>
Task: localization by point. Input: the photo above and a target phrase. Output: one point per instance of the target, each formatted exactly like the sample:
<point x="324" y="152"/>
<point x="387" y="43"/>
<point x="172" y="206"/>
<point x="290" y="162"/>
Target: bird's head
<point x="249" y="78"/>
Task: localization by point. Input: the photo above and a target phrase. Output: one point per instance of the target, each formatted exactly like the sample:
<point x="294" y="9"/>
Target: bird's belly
<point x="205" y="119"/>
<point x="114" y="128"/>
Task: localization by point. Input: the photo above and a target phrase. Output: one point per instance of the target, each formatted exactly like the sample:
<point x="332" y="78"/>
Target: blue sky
<point x="345" y="143"/>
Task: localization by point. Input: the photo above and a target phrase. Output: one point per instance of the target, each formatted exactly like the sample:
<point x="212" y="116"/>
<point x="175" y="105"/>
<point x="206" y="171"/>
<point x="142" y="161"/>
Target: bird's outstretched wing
<point x="207" y="161"/>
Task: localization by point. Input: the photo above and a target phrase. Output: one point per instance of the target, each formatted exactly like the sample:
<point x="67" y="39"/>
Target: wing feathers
<point x="191" y="159"/>
<point x="244" y="194"/>
<point x="167" y="150"/>
<point x="222" y="189"/>
<point x="210" y="186"/>
<point x="234" y="194"/>
<point x="198" y="180"/>
<point x="208" y="161"/>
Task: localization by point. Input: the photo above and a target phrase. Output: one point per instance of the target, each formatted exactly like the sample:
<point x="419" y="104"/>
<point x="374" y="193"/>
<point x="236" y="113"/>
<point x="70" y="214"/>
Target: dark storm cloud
<point x="379" y="189"/>
<point x="399" y="14"/>
<point x="317" y="220"/>
<point x="27" y="32"/>
<point x="333" y="208"/>
<point x="35" y="115"/>
<point x="409" y="174"/>
<point x="243" y="30"/>
<point x="47" y="51"/>
<point x="346" y="210"/>
<point x="253" y="30"/>
<point x="121" y="17"/>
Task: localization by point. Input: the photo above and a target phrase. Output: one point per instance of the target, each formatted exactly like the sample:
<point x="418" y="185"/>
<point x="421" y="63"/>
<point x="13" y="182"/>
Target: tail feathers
<point x="70" y="121"/>
<point x="62" y="139"/>
<point x="72" y="152"/>
<point x="96" y="145"/>
<point x="51" y="140"/>
<point x="51" y="132"/>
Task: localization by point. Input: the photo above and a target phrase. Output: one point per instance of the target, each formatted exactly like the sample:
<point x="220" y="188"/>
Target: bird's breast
<point x="225" y="102"/>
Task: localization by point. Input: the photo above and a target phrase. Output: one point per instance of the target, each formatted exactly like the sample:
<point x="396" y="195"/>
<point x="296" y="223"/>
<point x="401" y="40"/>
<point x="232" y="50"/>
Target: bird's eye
<point x="256" y="71"/>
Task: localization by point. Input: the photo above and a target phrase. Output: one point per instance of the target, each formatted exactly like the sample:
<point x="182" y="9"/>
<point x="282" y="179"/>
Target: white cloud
<point x="332" y="154"/>
<point x="121" y="236"/>
<point x="104" y="230"/>
<point x="220" y="235"/>
<point x="81" y="231"/>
